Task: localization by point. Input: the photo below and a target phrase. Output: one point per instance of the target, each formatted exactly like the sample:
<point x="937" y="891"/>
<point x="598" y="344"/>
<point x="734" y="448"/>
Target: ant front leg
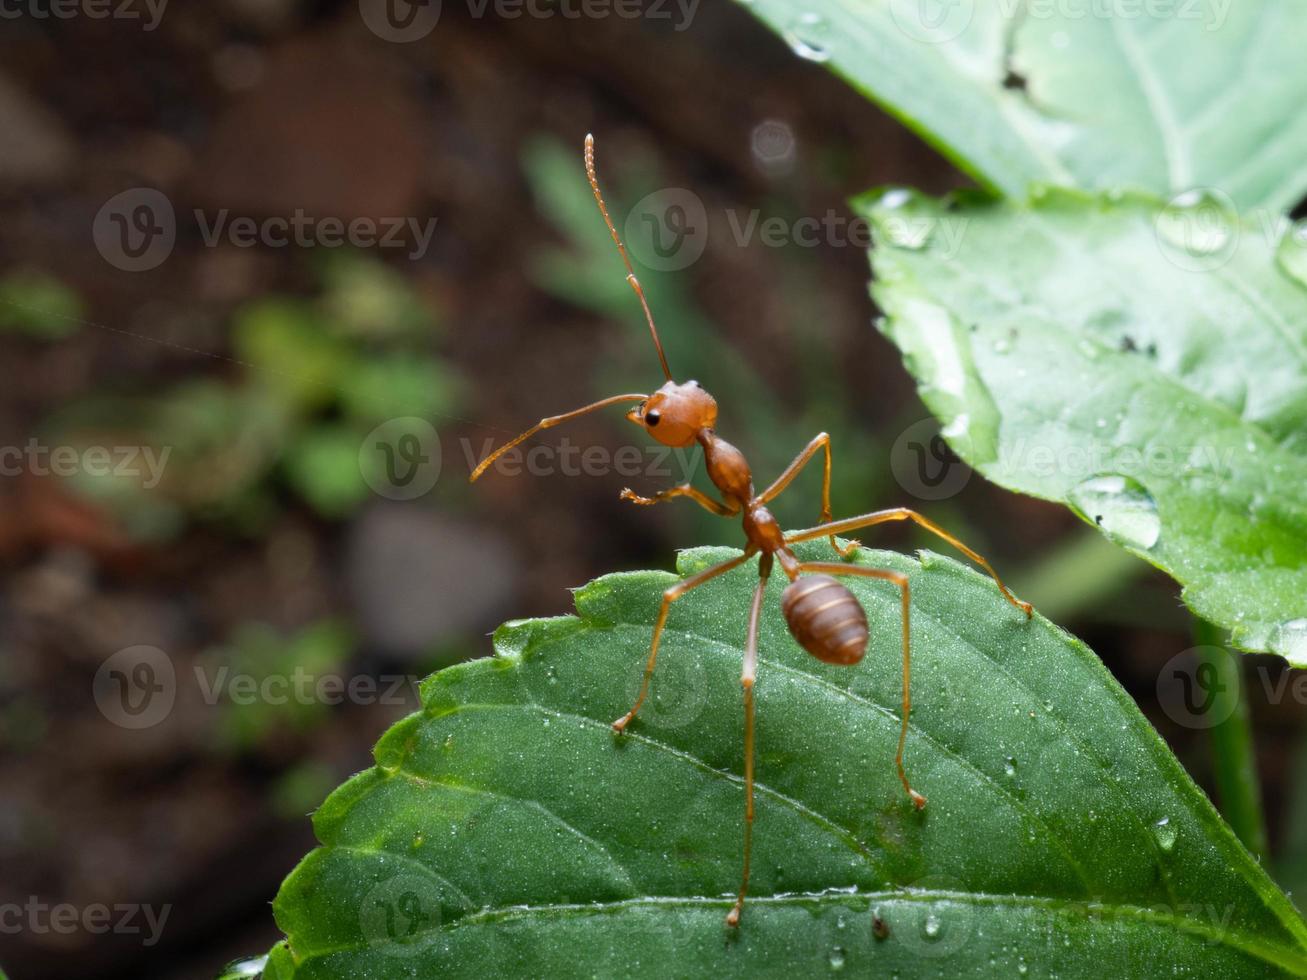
<point x="684" y="490"/>
<point x="670" y="595"/>
<point x="820" y="441"/>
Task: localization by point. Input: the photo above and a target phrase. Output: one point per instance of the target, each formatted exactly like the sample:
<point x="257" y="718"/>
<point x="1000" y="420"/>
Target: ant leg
<point x="901" y="580"/>
<point x="549" y="423"/>
<point x="670" y="595"/>
<point x="684" y="490"/>
<point x="747" y="676"/>
<point x="904" y="514"/>
<point x="820" y="441"/>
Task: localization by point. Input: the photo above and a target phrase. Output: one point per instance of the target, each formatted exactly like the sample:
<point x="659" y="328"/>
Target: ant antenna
<point x="630" y="272"/>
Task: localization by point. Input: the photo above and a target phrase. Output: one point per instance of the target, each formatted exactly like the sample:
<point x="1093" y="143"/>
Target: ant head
<point x="674" y="414"/>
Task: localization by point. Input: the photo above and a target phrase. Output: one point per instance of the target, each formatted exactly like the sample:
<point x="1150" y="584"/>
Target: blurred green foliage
<point x="266" y="683"/>
<point x="37" y="304"/>
<point x="316" y="374"/>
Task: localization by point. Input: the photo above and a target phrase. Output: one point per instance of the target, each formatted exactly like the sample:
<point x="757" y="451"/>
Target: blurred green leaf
<point x="291" y="349"/>
<point x="301" y="789"/>
<point x="366" y="298"/>
<point x="39" y="305"/>
<point x="267" y="682"/>
<point x="507" y="831"/>
<point x="1099" y="97"/>
<point x="1083" y="350"/>
<point x="322" y="464"/>
<point x="385" y="386"/>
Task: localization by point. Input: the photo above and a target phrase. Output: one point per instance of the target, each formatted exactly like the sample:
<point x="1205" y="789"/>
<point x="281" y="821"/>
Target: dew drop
<point x="1010" y="766"/>
<point x="1002" y="346"/>
<point x="1289" y="640"/>
<point x="837" y="958"/>
<point x="1199" y="223"/>
<point x="932" y="926"/>
<point x="895" y="198"/>
<point x="809" y="37"/>
<point x="1121" y="507"/>
<point x="1291" y="256"/>
<point x="248" y="967"/>
<point x="1165" y="835"/>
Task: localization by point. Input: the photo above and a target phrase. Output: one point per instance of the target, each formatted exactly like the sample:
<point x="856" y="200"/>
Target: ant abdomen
<point x="826" y="619"/>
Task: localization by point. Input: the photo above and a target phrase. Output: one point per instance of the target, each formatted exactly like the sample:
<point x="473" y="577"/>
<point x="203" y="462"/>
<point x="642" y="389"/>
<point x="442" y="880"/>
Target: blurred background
<point x="274" y="275"/>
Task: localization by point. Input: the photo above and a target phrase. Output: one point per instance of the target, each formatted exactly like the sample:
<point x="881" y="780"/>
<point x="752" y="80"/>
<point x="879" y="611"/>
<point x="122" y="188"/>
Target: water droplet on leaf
<point x="1165" y="835"/>
<point x="1291" y="255"/>
<point x="809" y="37"/>
<point x="1289" y="640"/>
<point x="1121" y="506"/>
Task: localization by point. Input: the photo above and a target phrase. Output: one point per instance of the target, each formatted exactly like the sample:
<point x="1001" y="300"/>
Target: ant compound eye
<point x="651" y="418"/>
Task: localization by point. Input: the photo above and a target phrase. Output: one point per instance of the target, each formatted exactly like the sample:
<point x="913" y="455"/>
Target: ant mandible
<point x="823" y="616"/>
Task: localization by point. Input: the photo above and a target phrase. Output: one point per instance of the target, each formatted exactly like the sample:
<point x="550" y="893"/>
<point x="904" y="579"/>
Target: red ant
<point x="823" y="616"/>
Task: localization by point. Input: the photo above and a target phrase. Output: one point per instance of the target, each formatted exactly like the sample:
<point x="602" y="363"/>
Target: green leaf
<point x="385" y="385"/>
<point x="1112" y="97"/>
<point x="1145" y="365"/>
<point x="506" y="831"/>
<point x="288" y="345"/>
<point x="39" y="305"/>
<point x="323" y="465"/>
